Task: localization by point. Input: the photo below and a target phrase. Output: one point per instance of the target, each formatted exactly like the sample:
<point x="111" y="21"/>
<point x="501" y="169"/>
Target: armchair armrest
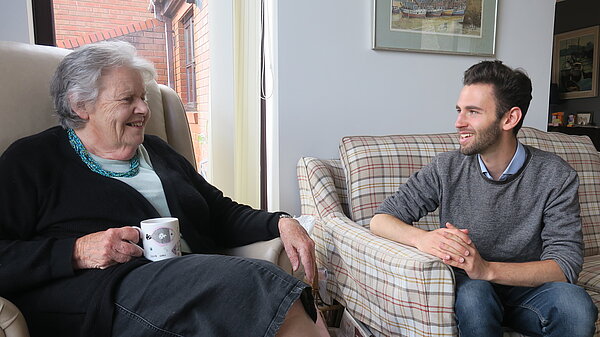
<point x="12" y="322"/>
<point x="321" y="187"/>
<point x="271" y="251"/>
<point x="393" y="288"/>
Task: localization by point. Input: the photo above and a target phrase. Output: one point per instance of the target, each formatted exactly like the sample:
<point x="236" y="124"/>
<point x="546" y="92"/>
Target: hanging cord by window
<point x="266" y="70"/>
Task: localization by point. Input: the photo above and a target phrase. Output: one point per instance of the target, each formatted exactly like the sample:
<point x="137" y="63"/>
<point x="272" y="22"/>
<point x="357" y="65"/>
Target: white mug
<point x="160" y="238"/>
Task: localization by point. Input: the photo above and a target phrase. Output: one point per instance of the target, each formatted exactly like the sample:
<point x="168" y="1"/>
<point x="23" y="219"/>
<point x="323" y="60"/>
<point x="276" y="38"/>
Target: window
<point x="174" y="34"/>
<point x="162" y="31"/>
<point x="190" y="63"/>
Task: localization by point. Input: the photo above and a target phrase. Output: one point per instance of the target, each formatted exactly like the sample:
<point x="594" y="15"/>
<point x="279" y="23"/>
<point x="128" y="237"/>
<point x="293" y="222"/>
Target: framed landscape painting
<point x="465" y="27"/>
<point x="575" y="63"/>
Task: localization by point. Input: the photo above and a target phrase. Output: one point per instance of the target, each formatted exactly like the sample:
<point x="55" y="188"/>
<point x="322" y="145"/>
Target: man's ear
<point x="512" y="118"/>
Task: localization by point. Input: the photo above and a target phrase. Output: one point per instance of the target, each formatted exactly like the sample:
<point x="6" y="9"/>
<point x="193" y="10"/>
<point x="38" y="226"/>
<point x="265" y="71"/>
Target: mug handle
<point x="139" y="229"/>
<point x="141" y="240"/>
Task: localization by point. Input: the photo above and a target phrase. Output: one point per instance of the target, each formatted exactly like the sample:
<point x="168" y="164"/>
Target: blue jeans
<point x="553" y="309"/>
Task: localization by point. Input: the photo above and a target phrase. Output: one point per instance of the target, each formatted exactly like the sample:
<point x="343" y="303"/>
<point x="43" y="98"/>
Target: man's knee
<point x="572" y="298"/>
<point x="574" y="308"/>
<point x="478" y="310"/>
<point x="475" y="294"/>
<point x="477" y="300"/>
<point x="578" y="304"/>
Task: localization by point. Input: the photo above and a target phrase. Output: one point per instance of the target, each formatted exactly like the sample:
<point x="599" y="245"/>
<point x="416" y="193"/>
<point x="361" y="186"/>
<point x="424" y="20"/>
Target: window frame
<point x="43" y="22"/>
<point x="190" y="60"/>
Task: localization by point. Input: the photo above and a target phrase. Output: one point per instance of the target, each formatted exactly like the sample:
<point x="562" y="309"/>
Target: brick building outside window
<point x="173" y="34"/>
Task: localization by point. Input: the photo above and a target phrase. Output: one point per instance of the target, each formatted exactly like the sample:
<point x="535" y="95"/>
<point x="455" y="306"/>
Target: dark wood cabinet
<point x="591" y="131"/>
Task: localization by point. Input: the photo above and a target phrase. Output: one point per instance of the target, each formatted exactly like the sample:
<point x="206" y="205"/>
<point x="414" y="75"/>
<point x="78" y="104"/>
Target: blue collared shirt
<point x="513" y="167"/>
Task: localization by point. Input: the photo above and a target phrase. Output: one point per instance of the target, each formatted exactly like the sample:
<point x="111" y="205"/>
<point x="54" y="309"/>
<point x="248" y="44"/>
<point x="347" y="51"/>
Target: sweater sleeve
<point x="26" y="258"/>
<point x="236" y="224"/>
<point x="232" y="224"/>
<point x="561" y="235"/>
<point x="415" y="198"/>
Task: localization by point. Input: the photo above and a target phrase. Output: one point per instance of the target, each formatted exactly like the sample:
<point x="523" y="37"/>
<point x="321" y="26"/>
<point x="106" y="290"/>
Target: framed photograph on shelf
<point x="583" y="118"/>
<point x="575" y="63"/>
<point x="466" y="27"/>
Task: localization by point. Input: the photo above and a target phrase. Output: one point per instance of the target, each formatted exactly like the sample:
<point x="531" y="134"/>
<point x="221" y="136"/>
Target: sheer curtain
<point x="235" y="99"/>
<point x="247" y="29"/>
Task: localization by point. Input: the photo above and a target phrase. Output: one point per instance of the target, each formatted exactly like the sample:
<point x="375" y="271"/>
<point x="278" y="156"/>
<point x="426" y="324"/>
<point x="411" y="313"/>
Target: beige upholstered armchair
<point x="26" y="108"/>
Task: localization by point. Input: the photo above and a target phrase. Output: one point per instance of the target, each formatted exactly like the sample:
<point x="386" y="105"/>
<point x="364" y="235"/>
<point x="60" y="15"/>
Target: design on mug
<point x="162" y="235"/>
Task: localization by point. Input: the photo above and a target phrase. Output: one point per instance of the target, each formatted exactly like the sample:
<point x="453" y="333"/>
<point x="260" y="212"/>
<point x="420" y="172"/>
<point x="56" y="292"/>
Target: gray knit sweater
<point x="531" y="216"/>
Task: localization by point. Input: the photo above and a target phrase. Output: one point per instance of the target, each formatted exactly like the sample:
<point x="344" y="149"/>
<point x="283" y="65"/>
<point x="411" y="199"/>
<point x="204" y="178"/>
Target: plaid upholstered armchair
<point x="395" y="289"/>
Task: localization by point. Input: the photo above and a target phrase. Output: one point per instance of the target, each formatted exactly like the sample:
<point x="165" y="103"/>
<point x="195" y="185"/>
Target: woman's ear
<point x="80" y="109"/>
<point x="512" y="118"/>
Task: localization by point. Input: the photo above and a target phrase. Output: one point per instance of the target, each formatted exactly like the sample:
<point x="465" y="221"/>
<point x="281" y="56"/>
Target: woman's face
<point x="118" y="117"/>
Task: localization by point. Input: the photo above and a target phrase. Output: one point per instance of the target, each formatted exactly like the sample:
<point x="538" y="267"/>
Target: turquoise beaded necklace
<point x="134" y="163"/>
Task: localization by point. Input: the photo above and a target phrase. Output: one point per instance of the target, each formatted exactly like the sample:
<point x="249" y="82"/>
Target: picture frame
<point x="583" y="118"/>
<point x="575" y="63"/>
<point x="459" y="27"/>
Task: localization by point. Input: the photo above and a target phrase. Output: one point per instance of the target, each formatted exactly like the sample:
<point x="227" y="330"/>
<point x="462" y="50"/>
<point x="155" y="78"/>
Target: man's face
<point x="477" y="125"/>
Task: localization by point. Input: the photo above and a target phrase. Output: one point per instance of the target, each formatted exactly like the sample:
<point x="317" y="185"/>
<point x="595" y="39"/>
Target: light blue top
<point x="513" y="167"/>
<point x="146" y="181"/>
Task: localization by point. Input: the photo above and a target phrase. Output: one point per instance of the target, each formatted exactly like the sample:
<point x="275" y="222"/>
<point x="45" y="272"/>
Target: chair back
<point x="580" y="153"/>
<point x="26" y="109"/>
<point x="375" y="166"/>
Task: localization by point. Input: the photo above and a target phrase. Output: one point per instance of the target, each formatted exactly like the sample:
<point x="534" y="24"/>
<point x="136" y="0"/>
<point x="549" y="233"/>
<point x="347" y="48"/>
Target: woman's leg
<point x="298" y="324"/>
<point x="209" y="295"/>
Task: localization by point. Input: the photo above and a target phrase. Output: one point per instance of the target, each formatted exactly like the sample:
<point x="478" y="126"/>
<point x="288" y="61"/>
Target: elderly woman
<point x="68" y="196"/>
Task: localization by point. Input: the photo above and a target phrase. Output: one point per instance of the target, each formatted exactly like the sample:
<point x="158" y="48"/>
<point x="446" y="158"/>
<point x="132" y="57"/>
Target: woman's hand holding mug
<point x="101" y="250"/>
<point x="160" y="238"/>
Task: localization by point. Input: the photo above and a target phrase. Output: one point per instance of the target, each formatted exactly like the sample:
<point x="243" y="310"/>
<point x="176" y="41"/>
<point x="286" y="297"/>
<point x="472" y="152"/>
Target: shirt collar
<point x="513" y="167"/>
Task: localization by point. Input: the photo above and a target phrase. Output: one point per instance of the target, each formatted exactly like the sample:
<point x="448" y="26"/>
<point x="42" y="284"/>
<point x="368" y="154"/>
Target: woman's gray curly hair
<point x="76" y="80"/>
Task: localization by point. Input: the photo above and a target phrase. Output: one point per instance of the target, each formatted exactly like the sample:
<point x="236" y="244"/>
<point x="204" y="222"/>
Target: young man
<point x="509" y="214"/>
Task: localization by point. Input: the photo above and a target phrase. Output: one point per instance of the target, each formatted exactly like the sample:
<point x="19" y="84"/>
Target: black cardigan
<point x="48" y="198"/>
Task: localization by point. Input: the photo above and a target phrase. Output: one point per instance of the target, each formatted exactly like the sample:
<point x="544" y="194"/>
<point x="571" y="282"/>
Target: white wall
<point x="332" y="84"/>
<point x="16" y="22"/>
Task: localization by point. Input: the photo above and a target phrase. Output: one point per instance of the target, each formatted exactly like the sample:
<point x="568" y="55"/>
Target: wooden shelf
<point x="591" y="131"/>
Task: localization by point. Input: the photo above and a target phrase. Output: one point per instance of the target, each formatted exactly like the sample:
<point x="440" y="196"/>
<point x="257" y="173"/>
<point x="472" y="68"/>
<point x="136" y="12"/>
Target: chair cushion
<point x="589" y="278"/>
<point x="580" y="153"/>
<point x="596" y="299"/>
<point x="375" y="167"/>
